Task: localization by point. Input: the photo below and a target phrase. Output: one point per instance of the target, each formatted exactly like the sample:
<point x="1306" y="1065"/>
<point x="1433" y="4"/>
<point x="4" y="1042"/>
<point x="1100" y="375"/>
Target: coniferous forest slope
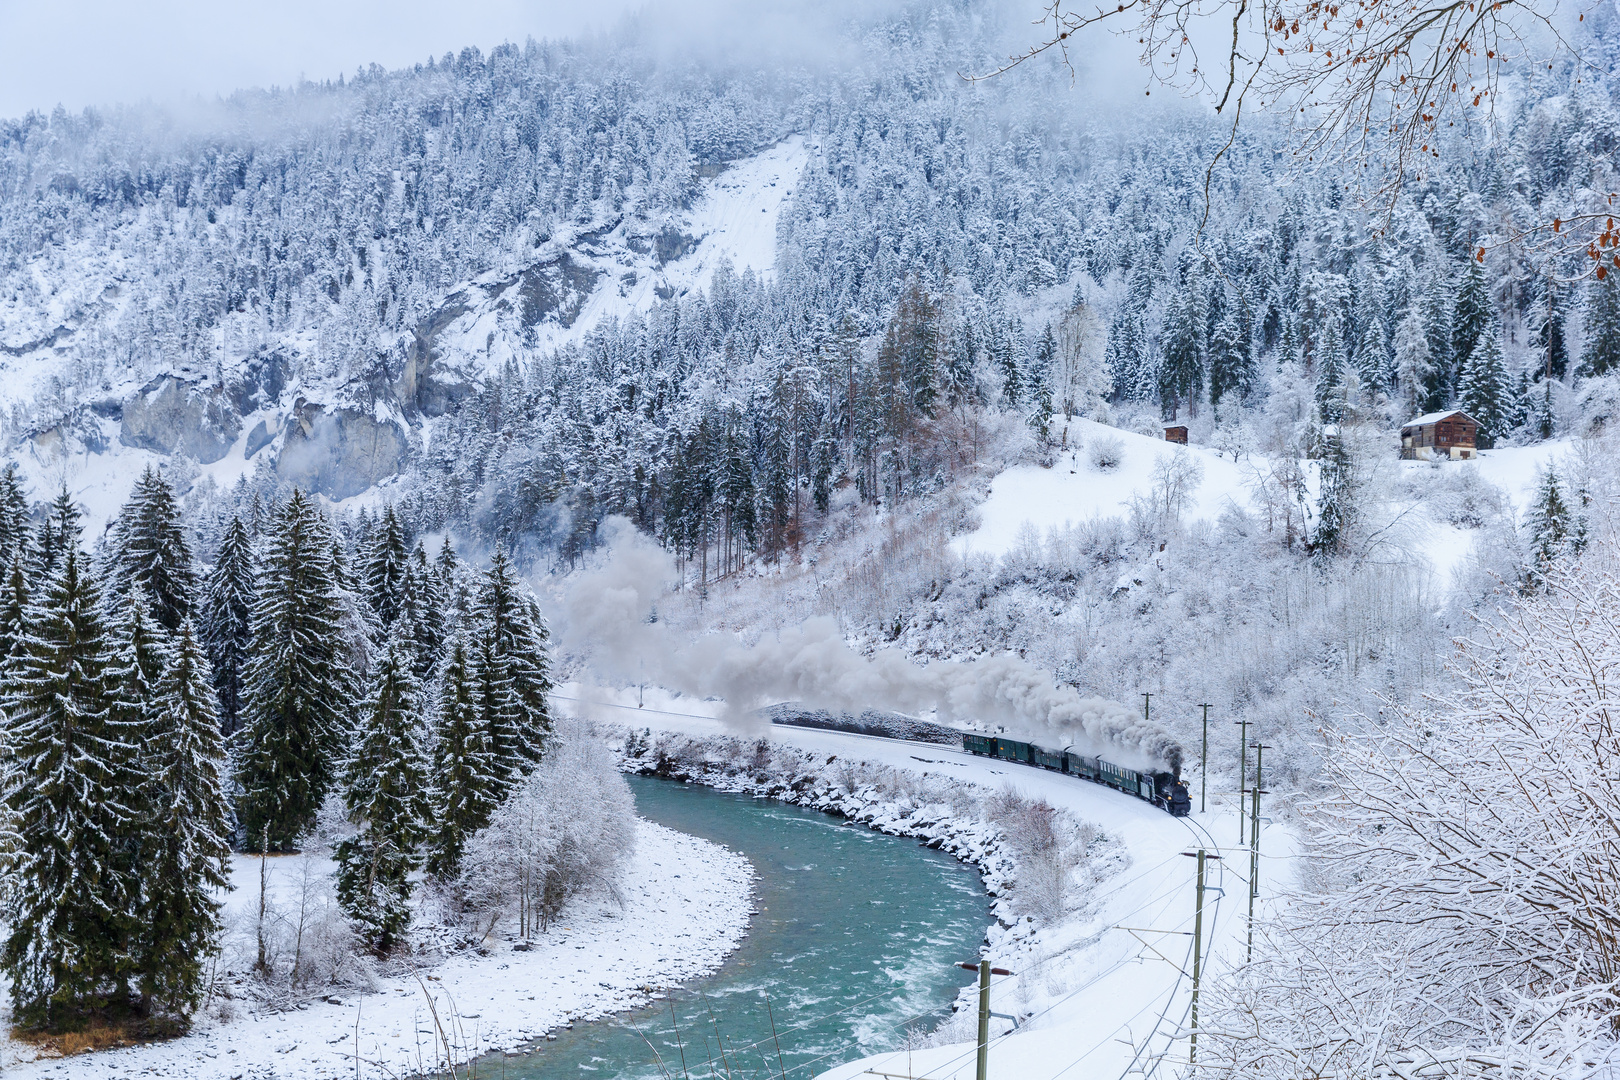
<point x="803" y="332"/>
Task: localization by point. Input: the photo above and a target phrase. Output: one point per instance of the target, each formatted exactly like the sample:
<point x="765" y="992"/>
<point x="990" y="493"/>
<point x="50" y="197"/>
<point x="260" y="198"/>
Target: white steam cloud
<point x="605" y="615"/>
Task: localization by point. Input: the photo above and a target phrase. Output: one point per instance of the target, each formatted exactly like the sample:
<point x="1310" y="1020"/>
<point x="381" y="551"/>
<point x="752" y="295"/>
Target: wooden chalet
<point x="1176" y="434"/>
<point x="1452" y="435"/>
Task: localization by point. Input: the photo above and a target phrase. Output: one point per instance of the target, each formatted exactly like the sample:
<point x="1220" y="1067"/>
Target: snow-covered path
<point x="686" y="907"/>
<point x="1112" y="988"/>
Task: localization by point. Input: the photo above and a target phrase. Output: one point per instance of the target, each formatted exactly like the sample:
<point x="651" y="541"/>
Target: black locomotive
<point x="1166" y="790"/>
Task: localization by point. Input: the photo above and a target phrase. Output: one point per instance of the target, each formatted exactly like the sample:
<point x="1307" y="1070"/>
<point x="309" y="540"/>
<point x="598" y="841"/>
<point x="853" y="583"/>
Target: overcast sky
<point x="96" y="52"/>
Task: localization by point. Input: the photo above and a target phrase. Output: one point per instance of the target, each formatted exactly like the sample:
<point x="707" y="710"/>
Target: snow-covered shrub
<point x="566" y="830"/>
<point x="1463" y="918"/>
<point x="1105" y="452"/>
<point x="293" y="936"/>
<point x="1047" y="848"/>
<point x="1467" y="500"/>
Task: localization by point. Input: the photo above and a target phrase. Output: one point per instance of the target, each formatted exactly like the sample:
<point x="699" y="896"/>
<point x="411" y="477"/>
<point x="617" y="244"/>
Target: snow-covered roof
<point x="1436" y="417"/>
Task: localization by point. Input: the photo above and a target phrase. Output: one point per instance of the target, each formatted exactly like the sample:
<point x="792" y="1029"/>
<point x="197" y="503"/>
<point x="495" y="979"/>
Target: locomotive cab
<point x="1172" y="793"/>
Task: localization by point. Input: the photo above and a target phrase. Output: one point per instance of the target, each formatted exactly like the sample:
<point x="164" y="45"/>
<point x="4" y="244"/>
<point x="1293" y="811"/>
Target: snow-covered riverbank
<point x="686" y="906"/>
<point x="1101" y="988"/>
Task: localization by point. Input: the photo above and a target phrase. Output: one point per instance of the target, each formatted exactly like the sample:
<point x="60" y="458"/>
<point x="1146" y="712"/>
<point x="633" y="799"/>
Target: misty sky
<point x="96" y="52"/>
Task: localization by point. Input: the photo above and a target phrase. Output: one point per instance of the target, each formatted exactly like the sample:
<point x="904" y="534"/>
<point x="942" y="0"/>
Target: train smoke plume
<point x="605" y="616"/>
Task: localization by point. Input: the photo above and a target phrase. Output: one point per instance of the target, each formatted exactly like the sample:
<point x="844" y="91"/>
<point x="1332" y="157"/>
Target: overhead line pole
<point x="1254" y="845"/>
<point x="1203" y="766"/>
<point x="985" y="971"/>
<point x="1198" y="950"/>
<point x="1243" y="773"/>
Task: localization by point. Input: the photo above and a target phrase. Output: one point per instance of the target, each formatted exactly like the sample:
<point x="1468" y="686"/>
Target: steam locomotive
<point x="1166" y="790"/>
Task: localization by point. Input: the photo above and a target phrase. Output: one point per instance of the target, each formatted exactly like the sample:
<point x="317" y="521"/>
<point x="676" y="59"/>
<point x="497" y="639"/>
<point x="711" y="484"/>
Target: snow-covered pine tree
<point x="1336" y="502"/>
<point x="1549" y="338"/>
<point x="1550" y="524"/>
<point x="298" y="686"/>
<point x="386" y="794"/>
<point x="137" y="651"/>
<point x="1039" y="387"/>
<point x="15" y="535"/>
<point x="69" y="899"/>
<point x="498" y="711"/>
<point x="1181" y="377"/>
<point x="150" y="552"/>
<point x="425" y="603"/>
<point x="1413" y="369"/>
<point x="226" y="618"/>
<point x="1471" y="317"/>
<point x="1600" y="352"/>
<point x="13" y="612"/>
<point x="513" y="621"/>
<point x="1231" y="366"/>
<point x="465" y="787"/>
<point x="184" y="852"/>
<point x="1486" y="391"/>
<point x="1372" y="355"/>
<point x="1437" y="329"/>
<point x="1330" y="373"/>
<point x="383" y="568"/>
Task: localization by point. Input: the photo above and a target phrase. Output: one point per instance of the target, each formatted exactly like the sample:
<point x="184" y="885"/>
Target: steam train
<point x="1166" y="790"/>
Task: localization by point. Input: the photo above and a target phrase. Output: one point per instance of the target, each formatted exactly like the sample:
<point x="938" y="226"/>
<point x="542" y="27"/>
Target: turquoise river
<point x="854" y="944"/>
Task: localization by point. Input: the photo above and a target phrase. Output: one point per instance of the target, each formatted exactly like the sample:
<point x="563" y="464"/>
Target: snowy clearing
<point x="1073" y="490"/>
<point x="1096" y="992"/>
<point x="687" y="904"/>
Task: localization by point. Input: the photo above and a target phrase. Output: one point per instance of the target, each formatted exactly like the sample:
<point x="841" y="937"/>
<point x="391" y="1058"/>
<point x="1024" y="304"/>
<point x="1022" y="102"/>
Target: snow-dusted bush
<point x="566" y="830"/>
<point x="1465" y="499"/>
<point x="1048" y="850"/>
<point x="1105" y="452"/>
<point x="1464" y="917"/>
<point x="292" y="935"/>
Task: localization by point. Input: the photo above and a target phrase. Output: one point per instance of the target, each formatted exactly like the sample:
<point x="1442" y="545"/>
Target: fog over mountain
<point x="517" y="288"/>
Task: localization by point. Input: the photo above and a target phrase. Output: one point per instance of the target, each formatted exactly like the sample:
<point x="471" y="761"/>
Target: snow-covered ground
<point x="1074" y="491"/>
<point x="1515" y="470"/>
<point x="1104" y="998"/>
<point x="733" y="219"/>
<point x="686" y="906"/>
<point x="1029" y="498"/>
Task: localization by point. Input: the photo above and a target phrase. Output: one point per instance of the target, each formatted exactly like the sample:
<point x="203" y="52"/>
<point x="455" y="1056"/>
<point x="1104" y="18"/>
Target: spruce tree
<point x="1413" y="369"/>
<point x="185" y="847"/>
<point x="226" y="616"/>
<point x="15" y="535"/>
<point x="150" y="552"/>
<point x="425" y="611"/>
<point x="384" y="567"/>
<point x="1437" y="329"/>
<point x="385" y="782"/>
<point x="1336" y="505"/>
<point x="1472" y="316"/>
<point x="13" y="613"/>
<point x="1181" y="377"/>
<point x="464" y="782"/>
<point x="1330" y="372"/>
<point x="297" y="689"/>
<point x="1231" y="367"/>
<point x="70" y="896"/>
<point x="1550" y="523"/>
<point x="1600" y="353"/>
<point x="513" y="621"/>
<point x="1486" y="392"/>
<point x="498" y="713"/>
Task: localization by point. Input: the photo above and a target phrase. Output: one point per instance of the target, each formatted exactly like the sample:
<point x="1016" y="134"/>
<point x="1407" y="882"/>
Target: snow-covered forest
<point x="497" y="303"/>
<point x="158" y="716"/>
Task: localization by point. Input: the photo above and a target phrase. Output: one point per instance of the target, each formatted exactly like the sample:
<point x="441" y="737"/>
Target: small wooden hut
<point x="1452" y="435"/>
<point x="1176" y="434"/>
